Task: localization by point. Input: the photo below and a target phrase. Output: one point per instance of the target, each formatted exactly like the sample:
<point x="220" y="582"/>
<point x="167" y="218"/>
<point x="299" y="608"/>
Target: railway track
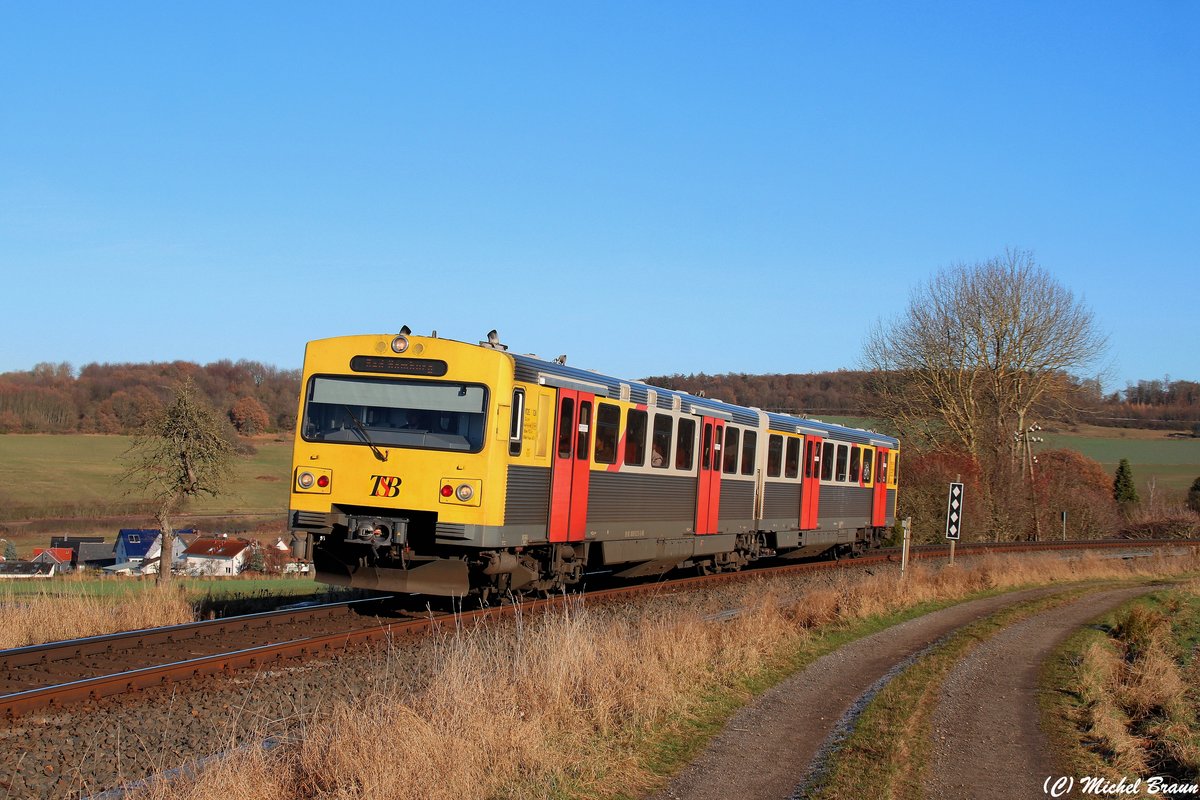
<point x="58" y="674"/>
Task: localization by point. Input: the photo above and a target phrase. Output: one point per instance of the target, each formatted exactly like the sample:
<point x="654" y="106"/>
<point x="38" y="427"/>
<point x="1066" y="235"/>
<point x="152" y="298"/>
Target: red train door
<point x="708" y="496"/>
<point x="571" y="467"/>
<point x="879" y="491"/>
<point x="810" y="492"/>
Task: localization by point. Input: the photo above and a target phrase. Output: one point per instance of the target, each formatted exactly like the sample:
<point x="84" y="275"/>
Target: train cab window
<point x="791" y="463"/>
<point x="868" y="456"/>
<point x="517" y="426"/>
<point x="827" y="461"/>
<point x="732" y="435"/>
<point x="685" y="444"/>
<point x="635" y="437"/>
<point x="608" y="429"/>
<point x="749" y="448"/>
<point x="585" y="430"/>
<point x="855" y="462"/>
<point x="774" y="456"/>
<point x="661" y="441"/>
<point x="841" y="461"/>
<point x="566" y="422"/>
<point x="808" y="458"/>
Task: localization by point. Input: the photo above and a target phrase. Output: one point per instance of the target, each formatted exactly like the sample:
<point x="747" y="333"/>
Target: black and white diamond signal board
<point x="954" y="511"/>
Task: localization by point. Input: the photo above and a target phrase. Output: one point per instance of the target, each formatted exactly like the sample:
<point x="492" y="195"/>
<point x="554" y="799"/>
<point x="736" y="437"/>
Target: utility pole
<point x="1027" y="439"/>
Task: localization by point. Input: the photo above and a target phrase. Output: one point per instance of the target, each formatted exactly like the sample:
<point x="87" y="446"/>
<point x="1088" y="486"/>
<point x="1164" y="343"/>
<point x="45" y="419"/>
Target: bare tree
<point x="181" y="453"/>
<point x="979" y="348"/>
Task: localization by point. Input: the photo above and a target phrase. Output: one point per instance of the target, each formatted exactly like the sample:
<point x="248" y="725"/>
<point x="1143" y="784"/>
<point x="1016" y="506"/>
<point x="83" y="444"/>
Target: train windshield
<point x="395" y="413"/>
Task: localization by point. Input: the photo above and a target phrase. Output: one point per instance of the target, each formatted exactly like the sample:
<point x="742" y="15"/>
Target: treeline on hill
<point x="1161" y="404"/>
<point x="120" y="398"/>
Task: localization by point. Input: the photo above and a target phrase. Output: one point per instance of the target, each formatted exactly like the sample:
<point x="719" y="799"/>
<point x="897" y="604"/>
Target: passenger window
<point x="895" y="478"/>
<point x="661" y="441"/>
<point x="841" y="462"/>
<point x="585" y="430"/>
<point x="731" y="450"/>
<point x="774" y="455"/>
<point x="517" y="426"/>
<point x="868" y="458"/>
<point x="635" y="437"/>
<point x="855" y="460"/>
<point x="827" y="461"/>
<point x="685" y="444"/>
<point x="608" y="428"/>
<point x="566" y="419"/>
<point x="706" y="450"/>
<point x="791" y="468"/>
<point x="749" y="448"/>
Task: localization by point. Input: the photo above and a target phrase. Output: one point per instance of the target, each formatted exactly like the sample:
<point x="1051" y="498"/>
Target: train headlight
<point x="400" y="344"/>
<point x="459" y="492"/>
<point x="312" y="479"/>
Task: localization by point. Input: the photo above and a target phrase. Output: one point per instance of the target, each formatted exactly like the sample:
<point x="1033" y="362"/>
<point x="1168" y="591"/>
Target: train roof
<point x="532" y="369"/>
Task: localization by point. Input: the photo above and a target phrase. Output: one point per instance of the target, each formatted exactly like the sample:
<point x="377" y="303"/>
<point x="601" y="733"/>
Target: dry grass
<point x="56" y="613"/>
<point x="570" y="704"/>
<point x="1140" y="701"/>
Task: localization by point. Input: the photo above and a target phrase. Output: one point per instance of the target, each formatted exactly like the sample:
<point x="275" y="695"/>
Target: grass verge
<point x="598" y="702"/>
<point x="1121" y="698"/>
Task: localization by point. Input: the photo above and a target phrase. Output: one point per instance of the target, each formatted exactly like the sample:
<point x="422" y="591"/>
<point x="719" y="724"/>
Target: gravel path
<point x="771" y="747"/>
<point x="986" y="739"/>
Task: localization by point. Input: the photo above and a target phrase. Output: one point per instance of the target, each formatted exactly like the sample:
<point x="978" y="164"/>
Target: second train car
<point x="441" y="467"/>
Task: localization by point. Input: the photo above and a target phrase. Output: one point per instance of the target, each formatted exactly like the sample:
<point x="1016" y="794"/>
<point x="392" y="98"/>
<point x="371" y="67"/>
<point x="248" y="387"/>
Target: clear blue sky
<point x="648" y="187"/>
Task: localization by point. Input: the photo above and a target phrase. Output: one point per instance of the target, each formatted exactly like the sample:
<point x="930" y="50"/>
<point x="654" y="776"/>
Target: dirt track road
<point x="772" y="748"/>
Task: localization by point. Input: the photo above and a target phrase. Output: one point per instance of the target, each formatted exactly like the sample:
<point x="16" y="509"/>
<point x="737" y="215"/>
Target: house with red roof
<point x="60" y="557"/>
<point x="216" y="556"/>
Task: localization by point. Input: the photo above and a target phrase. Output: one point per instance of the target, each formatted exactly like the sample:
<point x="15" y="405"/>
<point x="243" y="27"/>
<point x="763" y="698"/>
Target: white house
<point x="216" y="556"/>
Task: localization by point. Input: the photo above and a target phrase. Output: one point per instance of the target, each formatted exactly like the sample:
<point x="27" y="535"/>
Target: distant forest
<point x="256" y="398"/>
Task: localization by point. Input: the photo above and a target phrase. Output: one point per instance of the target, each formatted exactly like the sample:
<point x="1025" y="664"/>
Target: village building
<point x="60" y="557"/>
<point x="217" y="556"/>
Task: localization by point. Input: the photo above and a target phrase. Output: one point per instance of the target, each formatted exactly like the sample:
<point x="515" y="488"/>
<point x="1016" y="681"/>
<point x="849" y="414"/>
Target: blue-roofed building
<point x="133" y="544"/>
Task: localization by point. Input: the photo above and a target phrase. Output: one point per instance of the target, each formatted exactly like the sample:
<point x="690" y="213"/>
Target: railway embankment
<point x="632" y="692"/>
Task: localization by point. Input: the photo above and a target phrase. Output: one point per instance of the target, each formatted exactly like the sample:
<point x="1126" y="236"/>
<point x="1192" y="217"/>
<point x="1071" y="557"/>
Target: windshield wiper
<point x="382" y="456"/>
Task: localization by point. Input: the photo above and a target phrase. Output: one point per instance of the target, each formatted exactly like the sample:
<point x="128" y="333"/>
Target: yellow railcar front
<point x="400" y="441"/>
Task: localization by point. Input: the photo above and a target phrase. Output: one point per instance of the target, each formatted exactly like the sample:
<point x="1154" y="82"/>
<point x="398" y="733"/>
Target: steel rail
<point x="58" y="696"/>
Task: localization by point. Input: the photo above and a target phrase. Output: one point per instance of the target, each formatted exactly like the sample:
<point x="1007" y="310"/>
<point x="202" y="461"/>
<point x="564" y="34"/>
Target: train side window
<point x="516" y="427"/>
<point x="791" y="464"/>
<point x="585" y="430"/>
<point x="566" y="422"/>
<point x="774" y="455"/>
<point x="608" y="429"/>
<point x="855" y="462"/>
<point x="868" y="458"/>
<point x="731" y="450"/>
<point x="661" y="441"/>
<point x="635" y="437"/>
<point x="685" y="444"/>
<point x="841" y="462"/>
<point x="827" y="461"/>
<point x="706" y="449"/>
<point x="749" y="448"/>
<point x="895" y="476"/>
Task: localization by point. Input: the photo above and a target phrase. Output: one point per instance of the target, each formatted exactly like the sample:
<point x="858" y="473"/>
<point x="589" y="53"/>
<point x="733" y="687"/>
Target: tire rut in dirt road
<point x="987" y="742"/>
<point x="768" y="748"/>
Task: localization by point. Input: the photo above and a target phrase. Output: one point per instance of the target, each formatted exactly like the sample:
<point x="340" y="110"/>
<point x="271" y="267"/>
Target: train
<point x="431" y="466"/>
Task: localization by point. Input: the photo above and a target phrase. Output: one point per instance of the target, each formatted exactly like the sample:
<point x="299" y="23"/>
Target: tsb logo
<point x="385" y="486"/>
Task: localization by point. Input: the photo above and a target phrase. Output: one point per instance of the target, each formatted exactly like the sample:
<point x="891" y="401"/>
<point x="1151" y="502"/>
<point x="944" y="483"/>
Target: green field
<point x="1172" y="463"/>
<point x="46" y="477"/>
